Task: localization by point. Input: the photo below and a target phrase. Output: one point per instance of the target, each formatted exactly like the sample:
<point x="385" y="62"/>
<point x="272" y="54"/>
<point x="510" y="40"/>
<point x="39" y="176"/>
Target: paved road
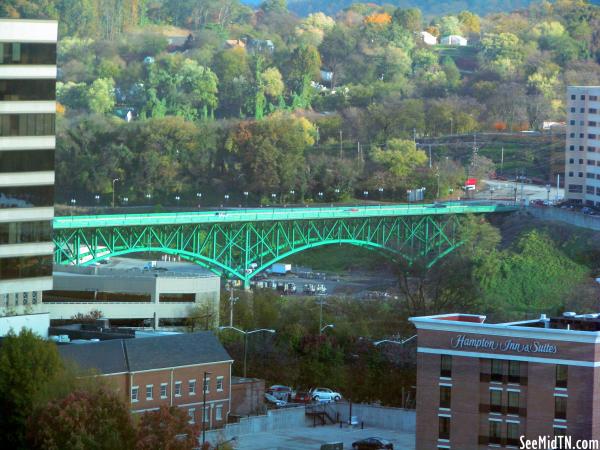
<point x="311" y="438"/>
<point x="506" y="189"/>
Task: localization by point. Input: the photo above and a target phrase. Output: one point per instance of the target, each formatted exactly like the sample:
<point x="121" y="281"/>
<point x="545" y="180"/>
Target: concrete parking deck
<point x="308" y="438"/>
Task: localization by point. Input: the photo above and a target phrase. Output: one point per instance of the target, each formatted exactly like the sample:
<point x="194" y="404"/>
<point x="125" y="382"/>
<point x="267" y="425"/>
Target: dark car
<point x="372" y="443"/>
<point x="302" y="397"/>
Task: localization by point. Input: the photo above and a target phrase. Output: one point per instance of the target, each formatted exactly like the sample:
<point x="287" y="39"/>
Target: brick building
<point x="163" y="370"/>
<point x="483" y="385"/>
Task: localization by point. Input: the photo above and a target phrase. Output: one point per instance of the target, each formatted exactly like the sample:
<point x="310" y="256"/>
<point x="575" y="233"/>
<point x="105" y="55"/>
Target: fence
<point x="575" y="218"/>
<point x="378" y="416"/>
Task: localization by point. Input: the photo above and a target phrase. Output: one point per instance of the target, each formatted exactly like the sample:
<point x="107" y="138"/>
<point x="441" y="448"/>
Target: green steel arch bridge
<point x="241" y="243"/>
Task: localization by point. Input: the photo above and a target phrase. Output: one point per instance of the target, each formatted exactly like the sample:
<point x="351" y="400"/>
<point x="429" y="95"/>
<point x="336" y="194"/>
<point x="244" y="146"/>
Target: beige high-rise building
<point x="27" y="142"/>
<point x="582" y="152"/>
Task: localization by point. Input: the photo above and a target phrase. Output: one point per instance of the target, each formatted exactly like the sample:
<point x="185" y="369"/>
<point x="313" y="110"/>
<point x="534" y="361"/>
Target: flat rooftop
<point x="131" y="267"/>
<point x="567" y="322"/>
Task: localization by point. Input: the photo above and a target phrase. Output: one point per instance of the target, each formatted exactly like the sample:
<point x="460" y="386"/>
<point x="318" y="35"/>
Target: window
<point x="591" y="123"/>
<point x="514" y="372"/>
<point x="513" y="402"/>
<point x="206" y="414"/>
<point x="580" y="160"/>
<point x="573" y="97"/>
<point x="20" y="53"/>
<point x="25" y="267"/>
<point x="572" y="147"/>
<point x="561" y="375"/>
<point x="593" y="111"/>
<point x="572" y="109"/>
<point x="192" y="415"/>
<point x="27" y="90"/>
<point x="593" y="98"/>
<point x="580" y="174"/>
<point x="570" y="174"/>
<point x="581" y="148"/>
<point x="149" y="391"/>
<point x="444" y="428"/>
<point x="591" y="149"/>
<point x="591" y="136"/>
<point x="207" y="385"/>
<point x="571" y="161"/>
<point x="581" y="110"/>
<point x="597" y="191"/>
<point x="26" y="196"/>
<point x="445" y="396"/>
<point x="582" y="97"/>
<point x="34" y="297"/>
<point x="495" y="432"/>
<point x="495" y="400"/>
<point x="26" y="160"/>
<point x="446" y="366"/>
<point x="192" y="387"/>
<point x="590" y="175"/>
<point x="219" y="384"/>
<point x="560" y="407"/>
<point x="163" y="390"/>
<point x="134" y="393"/>
<point x="178" y="389"/>
<point x="26" y="124"/>
<point x="589" y="189"/>
<point x="581" y="135"/>
<point x="497" y="372"/>
<point x="572" y="122"/>
<point x="571" y="135"/>
<point x="512" y="433"/>
<point x="219" y="412"/>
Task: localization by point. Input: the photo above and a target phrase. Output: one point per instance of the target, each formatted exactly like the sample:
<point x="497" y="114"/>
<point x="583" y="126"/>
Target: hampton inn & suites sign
<point x="506" y="345"/>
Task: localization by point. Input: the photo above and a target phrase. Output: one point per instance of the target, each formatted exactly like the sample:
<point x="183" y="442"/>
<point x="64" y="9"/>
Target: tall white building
<point x="582" y="153"/>
<point x="27" y="142"/>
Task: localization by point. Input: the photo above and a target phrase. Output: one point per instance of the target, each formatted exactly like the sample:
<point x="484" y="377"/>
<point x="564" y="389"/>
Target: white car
<point x="325" y="395"/>
<point x="274" y="400"/>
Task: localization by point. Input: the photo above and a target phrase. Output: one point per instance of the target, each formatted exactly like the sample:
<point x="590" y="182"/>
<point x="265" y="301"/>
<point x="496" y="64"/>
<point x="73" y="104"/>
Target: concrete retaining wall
<point x="378" y="416"/>
<point x="276" y="419"/>
<point x="571" y="217"/>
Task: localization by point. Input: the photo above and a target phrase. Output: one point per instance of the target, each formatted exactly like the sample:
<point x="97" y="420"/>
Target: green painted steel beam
<point x="275" y="214"/>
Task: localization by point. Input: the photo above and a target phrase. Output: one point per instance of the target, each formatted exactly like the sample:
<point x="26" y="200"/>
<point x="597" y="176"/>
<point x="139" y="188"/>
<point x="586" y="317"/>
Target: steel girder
<point x="230" y="248"/>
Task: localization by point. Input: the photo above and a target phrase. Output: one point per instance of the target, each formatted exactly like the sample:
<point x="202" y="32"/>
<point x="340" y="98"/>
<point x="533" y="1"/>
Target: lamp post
<point x="320" y="194"/>
<point x="73" y="202"/>
<point x="246" y="193"/>
<point x="148" y="197"/>
<point x="177" y="198"/>
<point x="274" y="197"/>
<point x="366" y="195"/>
<point x="293" y="194"/>
<point x="204" y="408"/>
<point x="97" y="198"/>
<point x="548" y="187"/>
<point x="391" y="341"/>
<point x="323" y="328"/>
<point x="226" y="197"/>
<point x="125" y="200"/>
<point x="380" y="193"/>
<point x="113" y="191"/>
<point x="246" y="333"/>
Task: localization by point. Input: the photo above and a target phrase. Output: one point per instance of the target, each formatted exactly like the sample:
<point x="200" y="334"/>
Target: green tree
<point x="409" y="19"/>
<point x="101" y="95"/>
<point x="449" y="25"/>
<point x="337" y="45"/>
<point x="28" y="365"/>
<point x="399" y="157"/>
<point x="200" y="87"/>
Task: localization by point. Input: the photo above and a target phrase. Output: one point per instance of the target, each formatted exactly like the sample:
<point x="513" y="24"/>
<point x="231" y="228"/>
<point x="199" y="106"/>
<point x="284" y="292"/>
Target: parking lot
<point x="312" y="438"/>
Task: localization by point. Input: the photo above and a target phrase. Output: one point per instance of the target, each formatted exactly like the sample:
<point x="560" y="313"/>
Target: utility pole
<point x="232" y="301"/>
<point x="502" y="162"/>
<point x="415" y="135"/>
<point x="430" y="156"/>
<point x="557" y="185"/>
<point x="522" y="185"/>
<point x="341" y="148"/>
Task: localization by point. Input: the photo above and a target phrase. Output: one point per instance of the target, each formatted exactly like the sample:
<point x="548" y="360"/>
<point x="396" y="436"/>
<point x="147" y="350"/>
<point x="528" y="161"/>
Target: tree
<point x="409" y="19"/>
<point x="273" y="82"/>
<point x="169" y="428"/>
<point x="399" y="158"/>
<point x="99" y="419"/>
<point x="469" y="22"/>
<point x="337" y="45"/>
<point x="101" y="96"/>
<point x="200" y="86"/>
<point x="303" y="67"/>
<point x="449" y="25"/>
<point x="28" y="365"/>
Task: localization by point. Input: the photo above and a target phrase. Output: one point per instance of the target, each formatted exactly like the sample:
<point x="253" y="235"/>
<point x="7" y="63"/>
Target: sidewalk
<point x="308" y="438"/>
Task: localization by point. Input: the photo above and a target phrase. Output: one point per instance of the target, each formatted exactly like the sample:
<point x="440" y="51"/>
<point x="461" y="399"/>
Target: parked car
<point x="325" y="395"/>
<point x="281" y="392"/>
<point x="302" y="397"/>
<point x="274" y="400"/>
<point x="372" y="443"/>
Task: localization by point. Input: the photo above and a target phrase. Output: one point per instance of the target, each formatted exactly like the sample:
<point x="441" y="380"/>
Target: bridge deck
<point x="276" y="214"/>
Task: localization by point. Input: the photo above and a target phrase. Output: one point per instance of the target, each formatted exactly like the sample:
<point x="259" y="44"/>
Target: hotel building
<point x="482" y="385"/>
<point x="27" y="142"/>
<point x="582" y="153"/>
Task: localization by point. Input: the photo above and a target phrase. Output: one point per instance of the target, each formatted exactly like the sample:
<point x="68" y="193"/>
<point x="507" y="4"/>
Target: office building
<point x="482" y="385"/>
<point x="582" y="153"/>
<point x="27" y="142"/>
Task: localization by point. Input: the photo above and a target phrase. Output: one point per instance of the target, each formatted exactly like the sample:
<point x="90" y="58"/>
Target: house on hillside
<point x="235" y="43"/>
<point x="164" y="370"/>
<point x="454" y="39"/>
<point x="260" y="45"/>
<point x="428" y="38"/>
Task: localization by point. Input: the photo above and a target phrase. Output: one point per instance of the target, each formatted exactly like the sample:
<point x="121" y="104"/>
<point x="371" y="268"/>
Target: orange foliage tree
<point x="378" y="19"/>
<point x="500" y="126"/>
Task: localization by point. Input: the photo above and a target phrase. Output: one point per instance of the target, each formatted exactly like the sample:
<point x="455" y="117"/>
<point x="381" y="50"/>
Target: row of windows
<point x="581" y="124"/>
<point x="7" y="300"/>
<point x="590" y="162"/>
<point x="21" y="53"/>
<point x="27" y="90"/>
<point x="26" y="160"/>
<point x="25" y="267"/>
<point x="191" y="389"/>
<point x="590" y="136"/>
<point x="592" y="191"/>
<point x="25" y="232"/>
<point x="503" y="370"/>
<point x="218" y="414"/>
<point x="27" y="124"/>
<point x="581" y="148"/>
<point x="582" y="111"/>
<point x="575" y="188"/>
<point x="593" y="98"/>
<point x="26" y="196"/>
<point x="592" y="175"/>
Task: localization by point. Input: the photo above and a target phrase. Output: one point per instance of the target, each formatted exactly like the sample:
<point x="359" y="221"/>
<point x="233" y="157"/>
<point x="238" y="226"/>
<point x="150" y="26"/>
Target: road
<point x="506" y="190"/>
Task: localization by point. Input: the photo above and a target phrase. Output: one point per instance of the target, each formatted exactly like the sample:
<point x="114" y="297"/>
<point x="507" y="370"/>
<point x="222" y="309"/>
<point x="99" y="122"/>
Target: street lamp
<point x="97" y="198"/>
<point x="226" y="197"/>
<point x="204" y="408"/>
<point x="73" y="202"/>
<point x="380" y="193"/>
<point x="246" y="333"/>
<point x="320" y="194"/>
<point x="113" y="191"/>
<point x="246" y="193"/>
<point x="293" y="194"/>
<point x="125" y="200"/>
<point x="148" y="196"/>
<point x="366" y="195"/>
<point x="177" y="198"/>
<point x="329" y="325"/>
<point x="199" y="197"/>
<point x="400" y="342"/>
<point x="274" y="197"/>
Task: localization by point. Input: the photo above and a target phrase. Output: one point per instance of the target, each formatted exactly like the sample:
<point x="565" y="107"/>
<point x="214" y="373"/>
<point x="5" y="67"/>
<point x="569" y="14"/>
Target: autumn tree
<point x="97" y="419"/>
<point x="168" y="428"/>
<point x="399" y="158"/>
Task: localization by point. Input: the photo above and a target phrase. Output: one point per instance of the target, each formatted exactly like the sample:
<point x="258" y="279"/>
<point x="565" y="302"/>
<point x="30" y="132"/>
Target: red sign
<point x="471" y="182"/>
